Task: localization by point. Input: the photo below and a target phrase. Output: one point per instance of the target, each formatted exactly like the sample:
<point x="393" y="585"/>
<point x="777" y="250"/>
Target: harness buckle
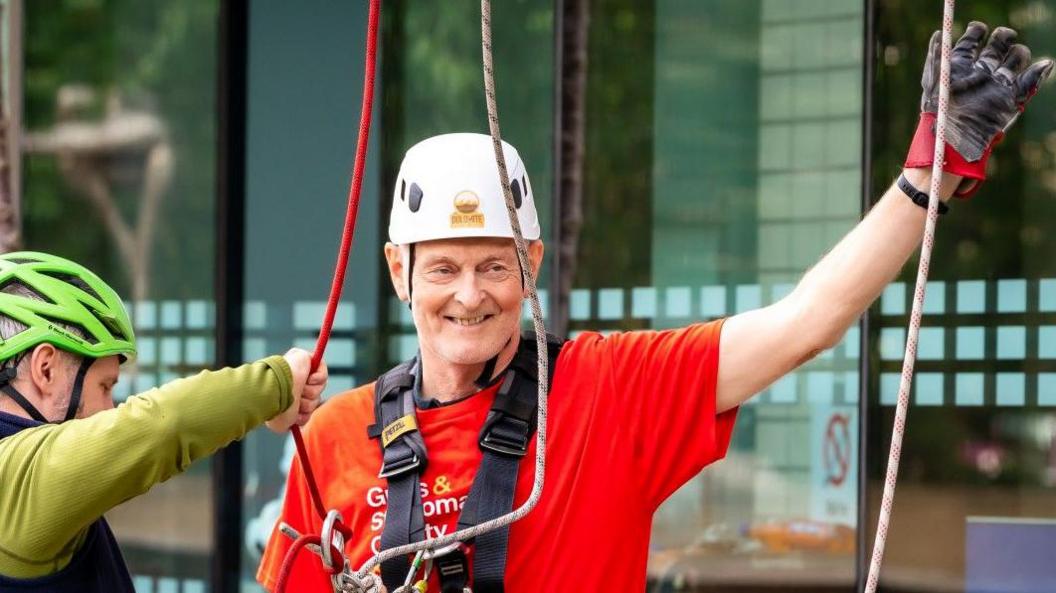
<point x="506" y="435"/>
<point x="400" y="466"/>
<point x="452" y="567"/>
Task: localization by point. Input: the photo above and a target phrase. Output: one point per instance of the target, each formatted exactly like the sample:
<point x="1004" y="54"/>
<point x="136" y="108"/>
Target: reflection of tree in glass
<point x="141" y="59"/>
<point x="124" y="148"/>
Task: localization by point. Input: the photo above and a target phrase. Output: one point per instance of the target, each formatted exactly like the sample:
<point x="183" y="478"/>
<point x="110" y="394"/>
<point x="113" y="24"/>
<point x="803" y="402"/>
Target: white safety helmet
<point x="448" y="187"/>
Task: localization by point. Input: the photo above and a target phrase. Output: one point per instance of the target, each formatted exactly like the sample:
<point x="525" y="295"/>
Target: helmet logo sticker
<point x="467" y="212"/>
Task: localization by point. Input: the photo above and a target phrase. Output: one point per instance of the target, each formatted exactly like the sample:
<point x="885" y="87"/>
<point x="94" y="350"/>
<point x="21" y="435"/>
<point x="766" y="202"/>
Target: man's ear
<point x="397" y="269"/>
<point x="535" y="257"/>
<point x="44" y="364"/>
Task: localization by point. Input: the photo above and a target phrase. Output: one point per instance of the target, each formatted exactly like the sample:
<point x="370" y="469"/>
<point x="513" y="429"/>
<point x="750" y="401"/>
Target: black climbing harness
<point x="504" y="440"/>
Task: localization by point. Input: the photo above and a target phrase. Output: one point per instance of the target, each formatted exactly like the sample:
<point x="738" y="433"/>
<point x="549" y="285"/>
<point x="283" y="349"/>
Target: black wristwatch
<point x="919" y="198"/>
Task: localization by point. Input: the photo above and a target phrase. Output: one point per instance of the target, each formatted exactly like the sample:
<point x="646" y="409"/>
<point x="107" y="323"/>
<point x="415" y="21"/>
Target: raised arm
<point x="758" y="347"/>
<point x="989" y="88"/>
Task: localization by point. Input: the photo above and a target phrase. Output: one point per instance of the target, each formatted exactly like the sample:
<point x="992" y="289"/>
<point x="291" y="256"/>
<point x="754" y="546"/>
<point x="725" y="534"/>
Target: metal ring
<point x="331" y="539"/>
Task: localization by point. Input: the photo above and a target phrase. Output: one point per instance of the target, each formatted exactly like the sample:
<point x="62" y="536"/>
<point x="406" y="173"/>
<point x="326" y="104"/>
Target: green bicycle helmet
<point x="70" y="295"/>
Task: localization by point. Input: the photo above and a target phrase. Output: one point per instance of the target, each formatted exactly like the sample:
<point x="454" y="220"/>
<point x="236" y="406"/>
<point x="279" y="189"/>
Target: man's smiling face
<point x="466" y="294"/>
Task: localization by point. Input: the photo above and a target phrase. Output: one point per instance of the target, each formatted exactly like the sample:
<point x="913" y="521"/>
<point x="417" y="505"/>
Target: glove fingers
<point x="1017" y="59"/>
<point x="997" y="49"/>
<point x="977" y="77"/>
<point x="1027" y="83"/>
<point x="930" y="79"/>
<point x="967" y="47"/>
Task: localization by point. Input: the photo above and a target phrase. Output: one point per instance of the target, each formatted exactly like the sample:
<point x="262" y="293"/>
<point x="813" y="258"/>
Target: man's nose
<point x="469" y="293"/>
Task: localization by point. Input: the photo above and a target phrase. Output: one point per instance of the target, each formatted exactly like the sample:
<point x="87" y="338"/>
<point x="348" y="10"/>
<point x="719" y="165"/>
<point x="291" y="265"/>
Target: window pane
<point x="976" y="478"/>
<point x="735" y="166"/>
<point x="303" y="116"/>
<point x="119" y="106"/>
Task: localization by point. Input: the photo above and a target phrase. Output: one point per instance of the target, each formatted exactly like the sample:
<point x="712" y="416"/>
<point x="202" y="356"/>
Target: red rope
<point x="347" y="234"/>
<point x="287" y="563"/>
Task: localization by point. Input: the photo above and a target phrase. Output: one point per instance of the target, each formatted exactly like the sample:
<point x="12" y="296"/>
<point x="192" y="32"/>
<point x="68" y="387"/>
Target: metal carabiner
<point x="331" y="539"/>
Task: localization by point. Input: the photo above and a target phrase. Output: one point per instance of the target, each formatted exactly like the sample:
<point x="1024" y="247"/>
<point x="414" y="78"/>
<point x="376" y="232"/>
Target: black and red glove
<point x="988" y="91"/>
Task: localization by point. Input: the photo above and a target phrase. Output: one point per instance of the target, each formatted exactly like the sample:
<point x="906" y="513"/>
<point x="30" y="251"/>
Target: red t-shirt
<point x="631" y="418"/>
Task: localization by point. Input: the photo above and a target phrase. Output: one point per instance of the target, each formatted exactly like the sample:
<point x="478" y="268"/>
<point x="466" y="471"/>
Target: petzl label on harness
<point x="467" y="212"/>
<point x="398" y="428"/>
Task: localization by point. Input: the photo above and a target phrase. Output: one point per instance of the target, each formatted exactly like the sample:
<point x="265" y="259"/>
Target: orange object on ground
<point x="786" y="536"/>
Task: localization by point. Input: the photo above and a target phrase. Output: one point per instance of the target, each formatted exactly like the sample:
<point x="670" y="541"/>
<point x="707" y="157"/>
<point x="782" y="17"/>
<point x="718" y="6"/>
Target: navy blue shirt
<point x="96" y="568"/>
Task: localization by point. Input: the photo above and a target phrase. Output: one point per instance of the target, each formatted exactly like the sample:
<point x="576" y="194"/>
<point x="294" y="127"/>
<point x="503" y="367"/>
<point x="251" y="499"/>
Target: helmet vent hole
<point x="110" y="326"/>
<point x="416" y="195"/>
<point x="524" y="184"/>
<point x="23" y="260"/>
<point x="403" y="190"/>
<point x="515" y="186"/>
<point x="21" y="288"/>
<point x="75" y="281"/>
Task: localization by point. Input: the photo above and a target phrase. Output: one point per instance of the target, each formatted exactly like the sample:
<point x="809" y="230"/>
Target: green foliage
<point x="434" y="84"/>
<point x="618" y="166"/>
<point x="1004" y="232"/>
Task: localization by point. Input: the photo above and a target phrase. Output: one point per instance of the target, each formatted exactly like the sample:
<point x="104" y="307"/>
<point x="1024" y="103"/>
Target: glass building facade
<point x="690" y="159"/>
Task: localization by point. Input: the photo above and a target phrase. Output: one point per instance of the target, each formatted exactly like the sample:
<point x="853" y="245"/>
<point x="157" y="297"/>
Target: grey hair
<point x="10" y="327"/>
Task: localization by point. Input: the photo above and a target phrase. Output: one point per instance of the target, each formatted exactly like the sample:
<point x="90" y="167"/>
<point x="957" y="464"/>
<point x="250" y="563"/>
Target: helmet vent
<point x="403" y="190"/>
<point x="17" y="287"/>
<point x="517" y="198"/>
<point x="74" y="281"/>
<point x="110" y="326"/>
<point x="23" y="260"/>
<point x="415" y="197"/>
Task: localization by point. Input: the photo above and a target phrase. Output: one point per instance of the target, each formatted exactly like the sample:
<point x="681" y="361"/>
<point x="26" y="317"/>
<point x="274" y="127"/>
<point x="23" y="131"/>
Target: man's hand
<point x="989" y="87"/>
<point x="307" y="388"/>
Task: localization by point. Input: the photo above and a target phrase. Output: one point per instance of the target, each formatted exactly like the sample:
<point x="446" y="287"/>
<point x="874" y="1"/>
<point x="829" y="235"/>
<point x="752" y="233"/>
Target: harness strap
<point x="8" y="375"/>
<point x="504" y="440"/>
<point x="403" y="461"/>
<point x="403" y="525"/>
<point x="19" y="399"/>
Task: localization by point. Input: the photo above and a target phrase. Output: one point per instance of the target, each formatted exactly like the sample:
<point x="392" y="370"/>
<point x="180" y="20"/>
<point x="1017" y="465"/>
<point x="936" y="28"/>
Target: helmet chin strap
<point x="8" y="375"/>
<point x="78" y="386"/>
<point x="410" y="272"/>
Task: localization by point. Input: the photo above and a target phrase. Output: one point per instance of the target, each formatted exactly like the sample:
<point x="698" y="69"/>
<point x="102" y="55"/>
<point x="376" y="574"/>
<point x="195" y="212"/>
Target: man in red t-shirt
<point x="632" y="415"/>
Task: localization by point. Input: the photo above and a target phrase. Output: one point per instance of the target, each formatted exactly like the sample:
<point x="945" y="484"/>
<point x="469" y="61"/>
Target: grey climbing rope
<point x="908" y="361"/>
<point x="363" y="580"/>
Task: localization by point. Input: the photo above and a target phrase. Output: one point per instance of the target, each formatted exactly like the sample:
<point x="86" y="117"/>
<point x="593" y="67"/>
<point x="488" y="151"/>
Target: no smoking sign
<point x="834" y="463"/>
<point x="836" y="450"/>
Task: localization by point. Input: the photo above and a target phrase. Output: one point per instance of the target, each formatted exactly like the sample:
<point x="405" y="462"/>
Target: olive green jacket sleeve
<point x="56" y="480"/>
